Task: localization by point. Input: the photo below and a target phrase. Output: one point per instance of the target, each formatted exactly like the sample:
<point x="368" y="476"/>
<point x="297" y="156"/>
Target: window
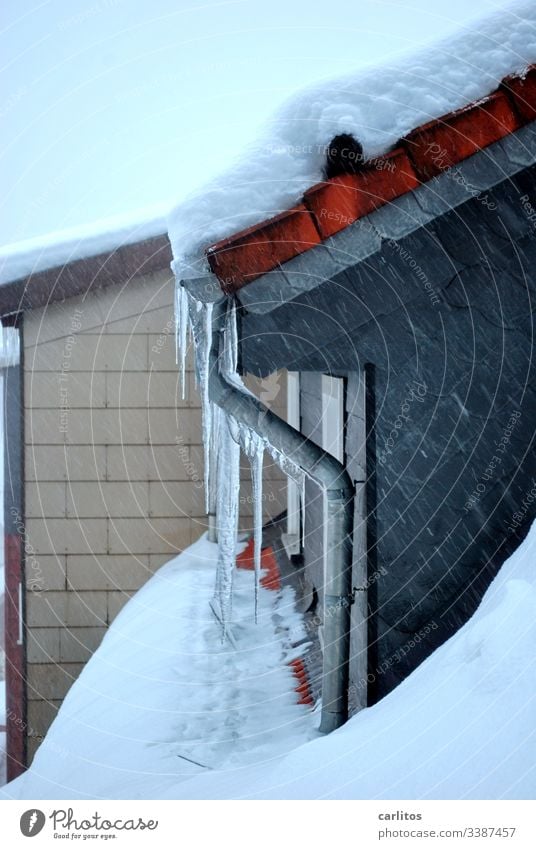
<point x="333" y="416"/>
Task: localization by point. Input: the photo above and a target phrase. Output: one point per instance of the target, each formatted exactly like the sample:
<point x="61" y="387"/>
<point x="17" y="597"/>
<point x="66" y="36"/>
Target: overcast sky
<point x="121" y="107"/>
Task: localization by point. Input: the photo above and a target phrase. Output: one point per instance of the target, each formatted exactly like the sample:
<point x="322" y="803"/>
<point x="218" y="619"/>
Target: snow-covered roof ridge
<point x="378" y="106"/>
<point x="58" y="249"/>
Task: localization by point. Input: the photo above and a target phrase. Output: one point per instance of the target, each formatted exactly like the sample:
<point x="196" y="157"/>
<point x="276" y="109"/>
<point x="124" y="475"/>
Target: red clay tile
<point x="245" y="560"/>
<point x="238" y="260"/>
<point x="271" y="577"/>
<point x="331" y="206"/>
<point x="440" y="144"/>
<point x="339" y="202"/>
<point x="302" y="689"/>
<point x="522" y="91"/>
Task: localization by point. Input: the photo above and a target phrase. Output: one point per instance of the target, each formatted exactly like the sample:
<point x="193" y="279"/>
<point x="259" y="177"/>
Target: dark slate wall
<point x="446" y="316"/>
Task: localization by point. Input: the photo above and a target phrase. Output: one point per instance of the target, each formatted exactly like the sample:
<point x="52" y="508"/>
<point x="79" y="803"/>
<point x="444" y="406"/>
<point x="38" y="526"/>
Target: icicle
<point x="253" y="447"/>
<point x="206" y="403"/>
<point x="287" y="465"/>
<point x="256" y="481"/>
<point x="177" y="323"/>
<point x="302" y="512"/>
<point x="201" y="324"/>
<point x="181" y="331"/>
<point x="228" y="491"/>
<point x="222" y="438"/>
<point x="230" y="351"/>
<point x="214" y="460"/>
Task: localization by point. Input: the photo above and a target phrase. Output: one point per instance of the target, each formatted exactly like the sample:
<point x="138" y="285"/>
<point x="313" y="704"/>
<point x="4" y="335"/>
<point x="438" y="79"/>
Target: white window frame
<point x="333" y="416"/>
<point x="292" y="538"/>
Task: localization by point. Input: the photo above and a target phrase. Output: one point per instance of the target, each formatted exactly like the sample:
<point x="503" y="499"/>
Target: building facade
<point x="108" y="485"/>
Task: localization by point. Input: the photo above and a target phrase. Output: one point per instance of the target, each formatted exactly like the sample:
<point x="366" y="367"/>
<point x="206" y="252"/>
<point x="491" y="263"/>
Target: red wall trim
<point x="15" y="638"/>
<point x="15" y="665"/>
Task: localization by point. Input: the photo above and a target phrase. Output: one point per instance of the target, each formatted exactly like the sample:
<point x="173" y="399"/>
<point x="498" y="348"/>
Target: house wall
<point x="444" y="319"/>
<point x="113" y="472"/>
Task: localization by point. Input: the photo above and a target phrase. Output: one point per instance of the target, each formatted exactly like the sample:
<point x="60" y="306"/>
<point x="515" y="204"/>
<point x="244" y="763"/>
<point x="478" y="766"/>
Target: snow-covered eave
<point x="393" y="221"/>
<point x="86" y="268"/>
<point x="488" y="140"/>
<point x="363" y="238"/>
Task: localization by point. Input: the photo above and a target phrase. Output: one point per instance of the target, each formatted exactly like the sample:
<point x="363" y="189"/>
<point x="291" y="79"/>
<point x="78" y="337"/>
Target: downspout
<point x="333" y="478"/>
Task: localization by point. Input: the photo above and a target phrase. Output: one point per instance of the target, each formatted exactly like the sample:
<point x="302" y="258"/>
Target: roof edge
<point x="393" y="221"/>
<point x="336" y="204"/>
<point x="84" y="275"/>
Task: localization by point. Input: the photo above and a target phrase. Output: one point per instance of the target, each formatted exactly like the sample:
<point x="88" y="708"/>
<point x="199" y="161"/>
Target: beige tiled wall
<point x="114" y="471"/>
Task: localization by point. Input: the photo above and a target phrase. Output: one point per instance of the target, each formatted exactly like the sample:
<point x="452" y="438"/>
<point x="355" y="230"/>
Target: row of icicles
<point x="223" y="437"/>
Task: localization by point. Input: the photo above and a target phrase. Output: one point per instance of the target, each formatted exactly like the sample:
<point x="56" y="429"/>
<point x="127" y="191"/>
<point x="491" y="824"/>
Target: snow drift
<point x="161" y="686"/>
<point x="164" y="698"/>
<point x="460" y="727"/>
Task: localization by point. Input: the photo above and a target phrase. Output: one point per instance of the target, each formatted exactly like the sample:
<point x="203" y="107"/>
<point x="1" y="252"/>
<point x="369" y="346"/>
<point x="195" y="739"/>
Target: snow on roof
<point x="378" y="106"/>
<point x="57" y="249"/>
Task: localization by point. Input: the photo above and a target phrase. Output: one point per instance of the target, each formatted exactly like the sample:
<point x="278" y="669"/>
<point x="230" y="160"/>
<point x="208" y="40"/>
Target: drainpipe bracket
<point x="342" y="494"/>
<point x="335" y="601"/>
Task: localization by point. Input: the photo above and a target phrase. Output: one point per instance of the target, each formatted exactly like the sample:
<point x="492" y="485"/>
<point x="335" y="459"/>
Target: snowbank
<point x="162" y="699"/>
<point x="378" y="106"/>
<point x="461" y="726"/>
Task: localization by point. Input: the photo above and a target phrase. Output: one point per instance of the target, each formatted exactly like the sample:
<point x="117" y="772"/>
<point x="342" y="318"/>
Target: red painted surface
<point x="245" y="559"/>
<point x="522" y="91"/>
<point x="271" y="580"/>
<point x="271" y="577"/>
<point x="304" y="693"/>
<point x="440" y="144"/>
<point x="252" y="252"/>
<point x="338" y="202"/>
<point x="15" y="684"/>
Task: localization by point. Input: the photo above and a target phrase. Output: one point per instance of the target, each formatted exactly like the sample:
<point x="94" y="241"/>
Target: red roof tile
<point x="338" y="202"/>
<point x="252" y="252"/>
<point x="334" y="204"/>
<point x="522" y="90"/>
<point x="440" y="144"/>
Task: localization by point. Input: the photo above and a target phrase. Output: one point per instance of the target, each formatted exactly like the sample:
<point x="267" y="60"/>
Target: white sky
<point x="121" y="107"/>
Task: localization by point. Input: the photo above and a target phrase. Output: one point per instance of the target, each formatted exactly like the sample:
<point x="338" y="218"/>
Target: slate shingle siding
<point x="448" y="308"/>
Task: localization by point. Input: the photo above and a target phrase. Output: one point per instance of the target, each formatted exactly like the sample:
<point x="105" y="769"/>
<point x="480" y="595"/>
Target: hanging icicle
<point x="182" y="315"/>
<point x="207" y="412"/>
<point x="230" y="349"/>
<point x="256" y="462"/>
<point x="223" y="437"/>
<point x="228" y="493"/>
<point x="217" y="415"/>
<point x="253" y="447"/>
<point x="302" y="512"/>
<point x="201" y="325"/>
<point x="291" y="469"/>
